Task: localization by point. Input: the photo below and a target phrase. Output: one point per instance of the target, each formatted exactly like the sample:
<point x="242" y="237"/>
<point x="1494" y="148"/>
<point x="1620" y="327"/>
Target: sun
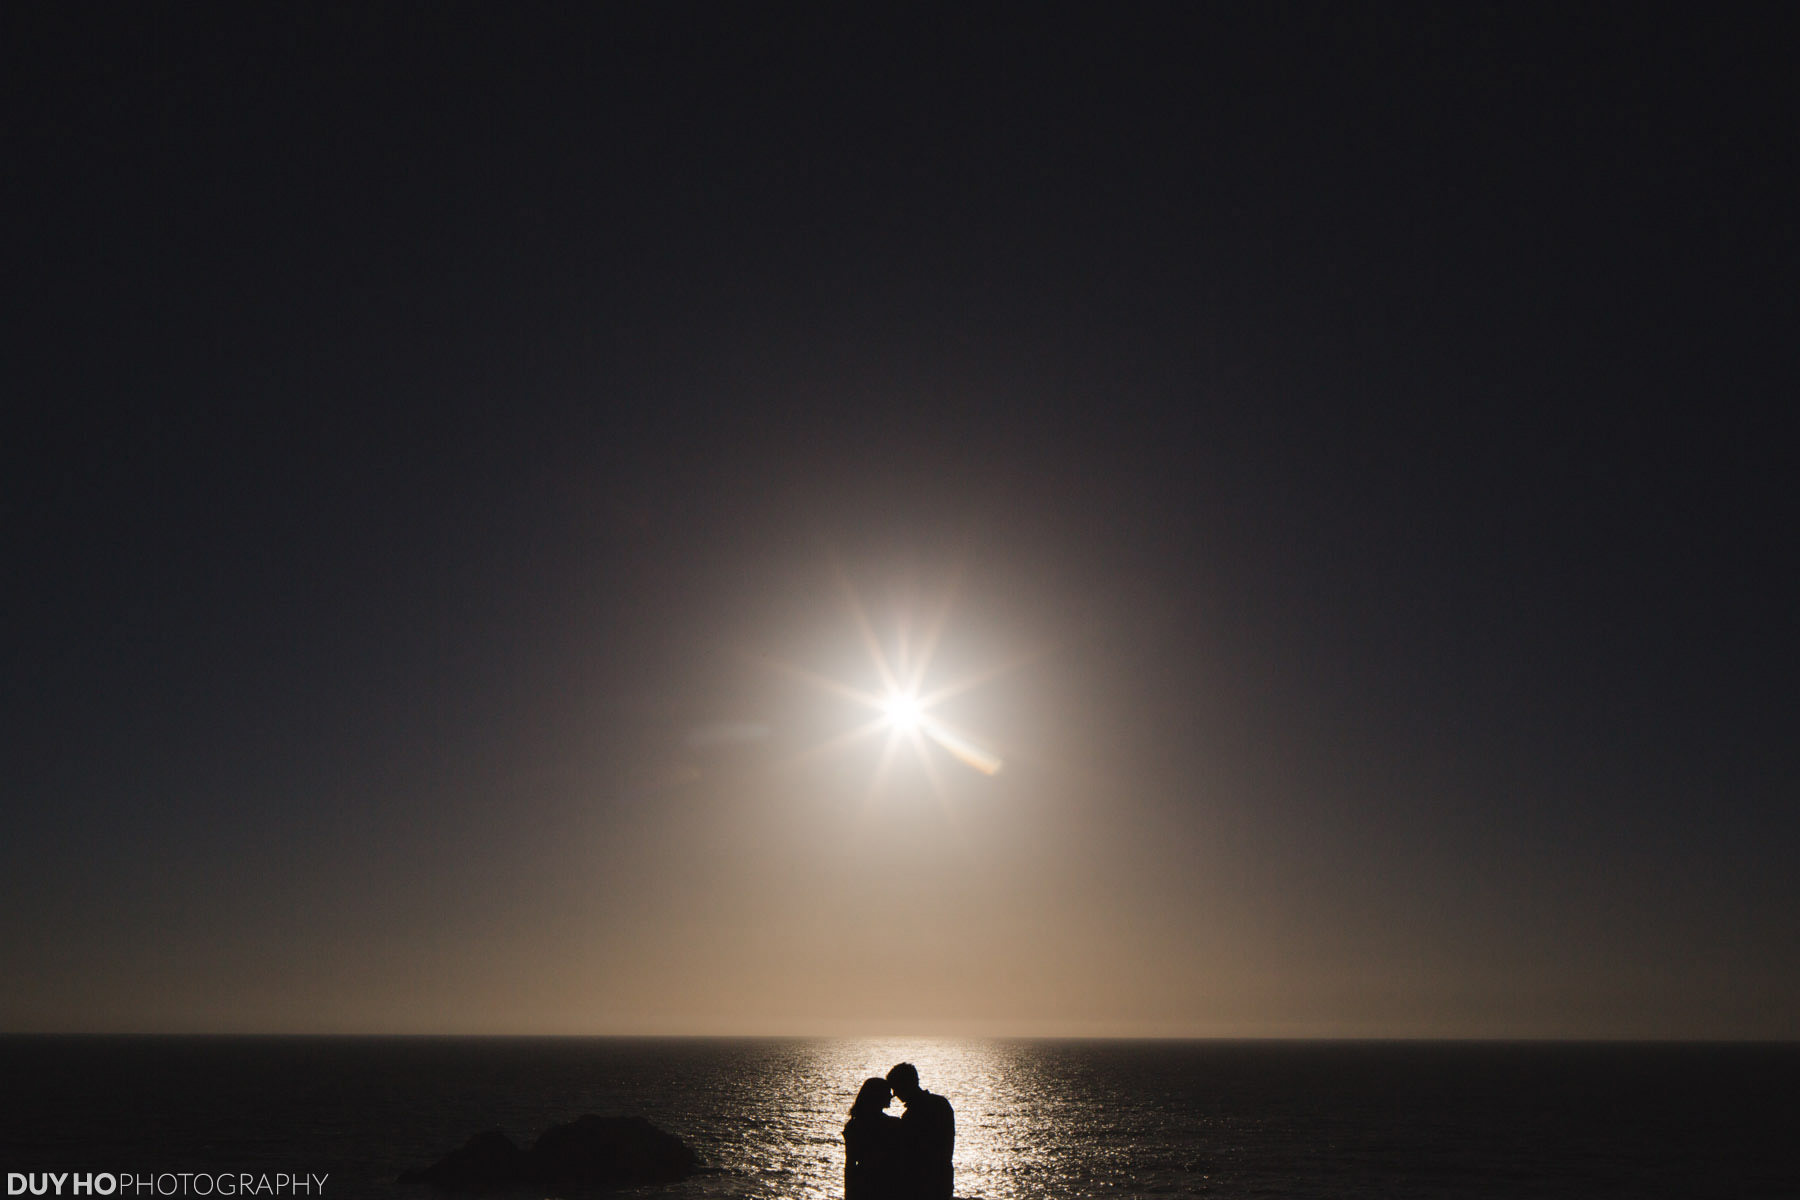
<point x="902" y="711"/>
<point x="904" y="708"/>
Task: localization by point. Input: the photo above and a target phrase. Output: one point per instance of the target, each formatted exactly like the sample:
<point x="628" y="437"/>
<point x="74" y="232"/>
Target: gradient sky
<point x="1353" y="444"/>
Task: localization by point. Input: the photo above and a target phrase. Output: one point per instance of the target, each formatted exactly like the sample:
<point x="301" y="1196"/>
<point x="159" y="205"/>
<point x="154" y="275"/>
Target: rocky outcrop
<point x="486" y="1162"/>
<point x="587" y="1154"/>
<point x="595" y="1151"/>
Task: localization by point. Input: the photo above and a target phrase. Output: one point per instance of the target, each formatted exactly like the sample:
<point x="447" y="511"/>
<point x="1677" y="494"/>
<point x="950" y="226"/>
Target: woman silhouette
<point x="872" y="1148"/>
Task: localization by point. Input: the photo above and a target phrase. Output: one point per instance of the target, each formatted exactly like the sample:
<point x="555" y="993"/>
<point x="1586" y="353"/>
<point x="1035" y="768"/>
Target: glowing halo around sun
<point x="903" y="709"/>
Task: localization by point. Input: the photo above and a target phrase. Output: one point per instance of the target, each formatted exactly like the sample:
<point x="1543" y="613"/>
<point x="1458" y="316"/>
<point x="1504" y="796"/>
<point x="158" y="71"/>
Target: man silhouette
<point x="928" y="1129"/>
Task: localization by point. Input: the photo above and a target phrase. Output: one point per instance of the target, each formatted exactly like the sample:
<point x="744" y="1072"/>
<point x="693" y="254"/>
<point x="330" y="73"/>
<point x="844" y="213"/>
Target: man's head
<point x="904" y="1079"/>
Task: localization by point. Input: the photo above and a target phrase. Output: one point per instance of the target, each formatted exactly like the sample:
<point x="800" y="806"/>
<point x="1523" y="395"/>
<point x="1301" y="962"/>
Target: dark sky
<point x="1361" y="433"/>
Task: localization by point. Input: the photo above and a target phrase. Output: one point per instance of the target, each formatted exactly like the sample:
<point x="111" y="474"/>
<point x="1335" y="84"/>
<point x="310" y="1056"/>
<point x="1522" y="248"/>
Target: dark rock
<point x="588" y="1154"/>
<point x="486" y="1161"/>
<point x="595" y="1151"/>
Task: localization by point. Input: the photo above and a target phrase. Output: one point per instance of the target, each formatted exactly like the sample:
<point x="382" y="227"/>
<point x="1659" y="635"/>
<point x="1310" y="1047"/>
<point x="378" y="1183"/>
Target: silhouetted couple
<point x="899" y="1158"/>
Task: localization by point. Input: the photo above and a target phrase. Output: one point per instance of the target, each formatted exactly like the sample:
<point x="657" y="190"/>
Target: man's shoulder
<point x="927" y="1103"/>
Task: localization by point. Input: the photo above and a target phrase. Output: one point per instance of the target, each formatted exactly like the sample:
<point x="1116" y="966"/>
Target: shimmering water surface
<point x="1034" y="1118"/>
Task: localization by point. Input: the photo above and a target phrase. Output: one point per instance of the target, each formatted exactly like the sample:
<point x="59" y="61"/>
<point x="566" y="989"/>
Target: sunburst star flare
<point x="904" y="709"/>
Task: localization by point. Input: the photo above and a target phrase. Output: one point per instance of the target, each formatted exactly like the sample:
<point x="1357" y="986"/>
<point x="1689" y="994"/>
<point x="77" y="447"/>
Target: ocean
<point x="1035" y="1118"/>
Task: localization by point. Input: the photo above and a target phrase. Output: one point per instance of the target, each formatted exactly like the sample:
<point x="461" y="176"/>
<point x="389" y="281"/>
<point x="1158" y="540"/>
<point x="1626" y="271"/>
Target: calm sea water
<point x="1034" y="1118"/>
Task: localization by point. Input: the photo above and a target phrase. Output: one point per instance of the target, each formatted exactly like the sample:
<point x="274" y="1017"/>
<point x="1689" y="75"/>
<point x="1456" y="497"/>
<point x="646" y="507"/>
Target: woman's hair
<point x="872" y="1097"/>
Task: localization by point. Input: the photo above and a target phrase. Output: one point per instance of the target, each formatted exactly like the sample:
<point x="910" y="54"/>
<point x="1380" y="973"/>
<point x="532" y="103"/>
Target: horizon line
<point x="372" y="1035"/>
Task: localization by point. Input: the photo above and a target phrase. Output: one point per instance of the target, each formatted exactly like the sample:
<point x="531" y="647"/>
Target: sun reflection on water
<point x="1034" y="1119"/>
<point x="993" y="1087"/>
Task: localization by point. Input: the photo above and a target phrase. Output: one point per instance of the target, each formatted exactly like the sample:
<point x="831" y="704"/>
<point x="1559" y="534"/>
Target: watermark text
<point x="163" y="1183"/>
